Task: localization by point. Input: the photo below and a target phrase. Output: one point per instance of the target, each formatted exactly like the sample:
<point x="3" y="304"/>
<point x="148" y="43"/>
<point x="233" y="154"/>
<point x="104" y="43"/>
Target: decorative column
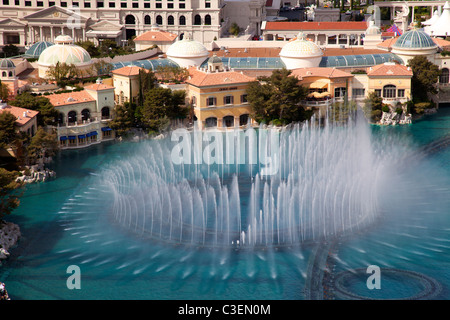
<point x="40" y="34"/>
<point x="52" y="34"/>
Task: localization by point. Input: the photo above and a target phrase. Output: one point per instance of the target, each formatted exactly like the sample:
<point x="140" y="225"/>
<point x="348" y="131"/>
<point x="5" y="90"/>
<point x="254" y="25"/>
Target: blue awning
<point x="63" y="138"/>
<point x="72" y="137"/>
<point x="88" y="135"/>
<point x="81" y="136"/>
<point x="93" y="133"/>
<point x="106" y="129"/>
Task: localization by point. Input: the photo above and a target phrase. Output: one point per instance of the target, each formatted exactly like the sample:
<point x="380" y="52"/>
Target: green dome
<point x="6" y="63"/>
<point x="36" y="49"/>
<point x="414" y="39"/>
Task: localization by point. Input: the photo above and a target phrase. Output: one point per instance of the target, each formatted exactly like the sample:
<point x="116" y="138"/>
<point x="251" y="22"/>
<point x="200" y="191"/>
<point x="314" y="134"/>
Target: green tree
<point x="424" y="79"/>
<point x="48" y="115"/>
<point x="9" y="191"/>
<point x="90" y="47"/>
<point x="10" y="50"/>
<point x="124" y="119"/>
<point x="372" y="108"/>
<point x="160" y="106"/>
<point x="8" y="131"/>
<point x="277" y="98"/>
<point x="62" y="71"/>
<point x="234" y="29"/>
<point x="146" y="82"/>
<point x="43" y="144"/>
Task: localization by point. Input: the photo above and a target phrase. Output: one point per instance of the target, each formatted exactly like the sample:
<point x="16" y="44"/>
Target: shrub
<point x="399" y="110"/>
<point x="386" y="108"/>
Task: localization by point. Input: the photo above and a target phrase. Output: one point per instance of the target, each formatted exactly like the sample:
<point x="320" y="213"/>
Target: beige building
<point x="125" y="82"/>
<point x="26" y="119"/>
<point x="24" y="22"/>
<point x="84" y="115"/>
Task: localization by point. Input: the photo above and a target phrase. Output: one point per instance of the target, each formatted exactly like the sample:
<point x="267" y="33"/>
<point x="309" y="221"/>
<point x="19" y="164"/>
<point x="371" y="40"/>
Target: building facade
<point x="24" y="22"/>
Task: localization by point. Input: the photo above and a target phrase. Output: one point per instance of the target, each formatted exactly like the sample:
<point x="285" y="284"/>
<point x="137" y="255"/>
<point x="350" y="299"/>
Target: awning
<point x="81" y="136"/>
<point x="106" y="129"/>
<point x="63" y="138"/>
<point x="318" y="85"/>
<point x="93" y="133"/>
<point x="72" y="137"/>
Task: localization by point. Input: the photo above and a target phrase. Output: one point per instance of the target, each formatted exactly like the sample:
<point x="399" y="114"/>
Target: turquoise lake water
<point x="65" y="222"/>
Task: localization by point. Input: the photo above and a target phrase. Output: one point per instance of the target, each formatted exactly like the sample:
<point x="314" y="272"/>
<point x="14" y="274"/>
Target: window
<point x="75" y="4"/>
<point x="100" y="5"/>
<point x="197" y="20"/>
<point x="159" y="20"/>
<point x="208" y="20"/>
<point x="389" y="91"/>
<point x="123" y="4"/>
<point x="170" y="20"/>
<point x="112" y="4"/>
<point x="28" y="3"/>
<point x="130" y="19"/>
<point x="146" y="5"/>
<point x="244" y="98"/>
<point x="243" y="119"/>
<point x="105" y="113"/>
<point x="228" y="121"/>
<point x="182" y="20"/>
<point x="170" y="6"/>
<point x="228" y="100"/>
<point x="401" y="93"/>
<point x="211" y="122"/>
<point x="182" y="6"/>
<point x="211" y="101"/>
<point x="72" y="117"/>
<point x="444" y="77"/>
<point x="5" y="2"/>
<point x="63" y="4"/>
<point x="378" y="92"/>
<point x="158" y="5"/>
<point x="340" y="92"/>
<point x="17" y="2"/>
<point x="358" y="92"/>
<point x="207" y="4"/>
<point x="135" y="5"/>
<point x="85" y="115"/>
<point x="87" y="4"/>
<point x="147" y="20"/>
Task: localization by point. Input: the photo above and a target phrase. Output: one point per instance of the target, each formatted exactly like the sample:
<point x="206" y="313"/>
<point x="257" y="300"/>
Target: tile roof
<point x="127" y="71"/>
<point x="323" y="25"/>
<point x="63" y="99"/>
<point x="19" y="112"/>
<point x="99" y="87"/>
<point x="320" y="72"/>
<point x="200" y="78"/>
<point x="389" y="69"/>
<point x="156" y="36"/>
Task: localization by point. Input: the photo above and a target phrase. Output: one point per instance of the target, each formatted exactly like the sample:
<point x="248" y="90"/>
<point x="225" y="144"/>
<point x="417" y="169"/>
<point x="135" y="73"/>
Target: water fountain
<point x="323" y="182"/>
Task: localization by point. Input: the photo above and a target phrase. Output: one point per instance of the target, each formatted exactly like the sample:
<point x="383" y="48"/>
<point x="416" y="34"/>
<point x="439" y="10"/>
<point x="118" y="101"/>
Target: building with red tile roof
<point x="26" y="119"/>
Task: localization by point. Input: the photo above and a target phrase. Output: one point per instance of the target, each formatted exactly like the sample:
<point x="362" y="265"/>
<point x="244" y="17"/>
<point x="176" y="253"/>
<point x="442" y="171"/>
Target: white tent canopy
<point x="433" y="19"/>
<point x="441" y="28"/>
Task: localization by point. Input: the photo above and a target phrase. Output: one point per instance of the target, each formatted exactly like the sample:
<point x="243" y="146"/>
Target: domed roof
<point x="300" y="48"/>
<point x="373" y="29"/>
<point x="63" y="39"/>
<point x="187" y="48"/>
<point x="64" y="53"/>
<point x="414" y="39"/>
<point x="6" y="63"/>
<point x="36" y="49"/>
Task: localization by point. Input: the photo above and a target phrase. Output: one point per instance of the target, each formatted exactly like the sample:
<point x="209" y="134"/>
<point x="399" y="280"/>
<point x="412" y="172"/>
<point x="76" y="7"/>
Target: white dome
<point x="300" y="48"/>
<point x="301" y="53"/>
<point x="187" y="48"/>
<point x="187" y="52"/>
<point x="64" y="53"/>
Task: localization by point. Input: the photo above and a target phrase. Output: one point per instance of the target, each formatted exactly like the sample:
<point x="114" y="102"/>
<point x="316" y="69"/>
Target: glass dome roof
<point x="414" y="39"/>
<point x="6" y="64"/>
<point x="36" y="49"/>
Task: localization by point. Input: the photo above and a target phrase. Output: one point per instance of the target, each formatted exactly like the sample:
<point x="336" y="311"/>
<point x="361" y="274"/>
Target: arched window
<point x="72" y="117"/>
<point x="208" y="20"/>
<point x="389" y="91"/>
<point x="170" y="20"/>
<point x="211" y="122"/>
<point x="147" y="20"/>
<point x="130" y="19"/>
<point x="182" y="20"/>
<point x="105" y="113"/>
<point x="197" y="20"/>
<point x="4" y="74"/>
<point x="10" y="74"/>
<point x="444" y="77"/>
<point x="228" y="121"/>
<point x="159" y="20"/>
<point x="85" y="114"/>
<point x="60" y="118"/>
<point x="243" y="119"/>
